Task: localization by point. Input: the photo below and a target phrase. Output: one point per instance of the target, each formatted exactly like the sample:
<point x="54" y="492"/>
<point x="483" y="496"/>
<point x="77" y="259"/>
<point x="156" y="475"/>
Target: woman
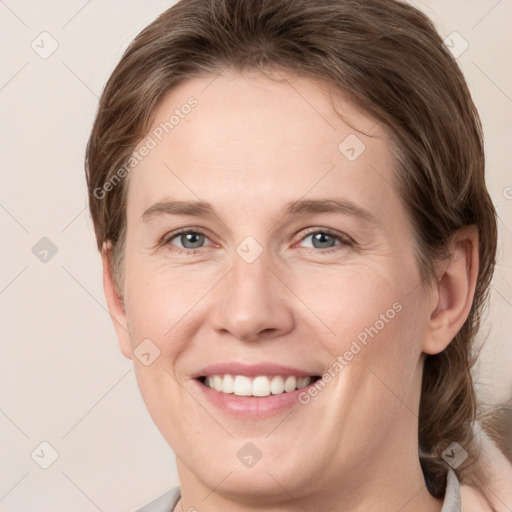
<point x="297" y="240"/>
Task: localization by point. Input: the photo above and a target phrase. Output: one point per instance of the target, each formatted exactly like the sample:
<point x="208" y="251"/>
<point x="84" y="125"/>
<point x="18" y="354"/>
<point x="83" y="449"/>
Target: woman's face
<point x="298" y="263"/>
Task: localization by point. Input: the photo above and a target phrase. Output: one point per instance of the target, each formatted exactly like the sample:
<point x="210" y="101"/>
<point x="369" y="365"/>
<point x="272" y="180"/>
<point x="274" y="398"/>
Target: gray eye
<point x="191" y="240"/>
<point x="322" y="240"/>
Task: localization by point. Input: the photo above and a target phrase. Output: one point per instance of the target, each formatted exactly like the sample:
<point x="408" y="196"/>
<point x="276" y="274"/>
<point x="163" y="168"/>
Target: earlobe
<point x="115" y="303"/>
<point x="454" y="290"/>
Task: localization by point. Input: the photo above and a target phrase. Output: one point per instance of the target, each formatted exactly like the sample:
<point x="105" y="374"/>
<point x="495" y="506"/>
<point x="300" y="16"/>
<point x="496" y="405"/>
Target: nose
<point x="253" y="302"/>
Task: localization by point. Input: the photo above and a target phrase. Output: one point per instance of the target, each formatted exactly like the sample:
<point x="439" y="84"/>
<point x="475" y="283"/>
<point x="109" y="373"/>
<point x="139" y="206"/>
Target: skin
<point x="250" y="146"/>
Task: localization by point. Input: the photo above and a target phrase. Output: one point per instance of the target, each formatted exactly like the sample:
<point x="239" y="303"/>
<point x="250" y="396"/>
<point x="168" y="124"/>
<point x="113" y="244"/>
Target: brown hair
<point x="387" y="56"/>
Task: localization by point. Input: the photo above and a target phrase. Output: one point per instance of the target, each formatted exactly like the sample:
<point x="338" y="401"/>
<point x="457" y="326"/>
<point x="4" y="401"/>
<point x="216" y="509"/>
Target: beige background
<point x="63" y="379"/>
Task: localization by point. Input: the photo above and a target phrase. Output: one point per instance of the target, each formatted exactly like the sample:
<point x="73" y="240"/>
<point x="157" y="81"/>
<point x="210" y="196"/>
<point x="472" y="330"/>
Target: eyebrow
<point x="292" y="208"/>
<point x="196" y="208"/>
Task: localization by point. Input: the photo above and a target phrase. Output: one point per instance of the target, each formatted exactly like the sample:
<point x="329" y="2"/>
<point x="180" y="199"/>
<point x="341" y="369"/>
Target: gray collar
<point x="452" y="496"/>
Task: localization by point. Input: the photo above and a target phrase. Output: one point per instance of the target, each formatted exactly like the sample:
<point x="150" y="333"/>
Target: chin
<point x="255" y="487"/>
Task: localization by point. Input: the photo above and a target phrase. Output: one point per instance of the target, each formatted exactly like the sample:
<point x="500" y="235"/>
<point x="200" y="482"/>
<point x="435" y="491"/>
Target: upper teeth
<point x="259" y="386"/>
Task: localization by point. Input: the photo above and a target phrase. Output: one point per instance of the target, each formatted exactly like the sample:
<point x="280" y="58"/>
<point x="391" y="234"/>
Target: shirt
<point x="169" y="500"/>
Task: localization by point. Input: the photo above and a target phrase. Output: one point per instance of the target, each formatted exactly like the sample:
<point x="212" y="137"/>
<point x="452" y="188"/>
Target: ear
<point x="115" y="303"/>
<point x="453" y="291"/>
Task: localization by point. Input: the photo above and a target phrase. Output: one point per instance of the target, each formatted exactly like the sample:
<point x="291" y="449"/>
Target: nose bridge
<point x="253" y="301"/>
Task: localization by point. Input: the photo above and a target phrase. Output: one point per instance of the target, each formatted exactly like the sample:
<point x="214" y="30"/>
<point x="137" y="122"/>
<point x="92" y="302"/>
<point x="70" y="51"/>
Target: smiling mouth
<point x="259" y="386"/>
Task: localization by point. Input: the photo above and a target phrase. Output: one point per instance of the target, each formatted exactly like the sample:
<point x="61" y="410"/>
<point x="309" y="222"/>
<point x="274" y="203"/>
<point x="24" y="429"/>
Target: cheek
<point x="367" y="317"/>
<point x="157" y="297"/>
<point x="157" y="304"/>
<point x="348" y="301"/>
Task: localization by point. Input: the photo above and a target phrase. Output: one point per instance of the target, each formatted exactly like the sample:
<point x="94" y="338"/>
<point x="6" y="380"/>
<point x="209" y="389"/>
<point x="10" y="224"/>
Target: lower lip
<point x="252" y="406"/>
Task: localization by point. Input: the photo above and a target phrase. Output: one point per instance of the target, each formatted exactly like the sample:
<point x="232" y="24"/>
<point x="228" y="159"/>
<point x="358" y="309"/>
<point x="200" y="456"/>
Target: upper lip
<point x="251" y="370"/>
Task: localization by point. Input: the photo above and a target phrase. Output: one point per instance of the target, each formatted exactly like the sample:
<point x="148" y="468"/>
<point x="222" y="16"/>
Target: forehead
<point x="249" y="139"/>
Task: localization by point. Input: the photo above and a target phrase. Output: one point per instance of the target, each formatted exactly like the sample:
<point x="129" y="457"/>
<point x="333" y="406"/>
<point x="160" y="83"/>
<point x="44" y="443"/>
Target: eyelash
<point x="344" y="240"/>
